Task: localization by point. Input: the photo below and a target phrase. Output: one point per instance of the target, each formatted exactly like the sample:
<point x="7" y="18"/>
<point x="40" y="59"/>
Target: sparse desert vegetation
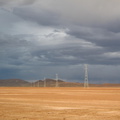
<point x="60" y="103"/>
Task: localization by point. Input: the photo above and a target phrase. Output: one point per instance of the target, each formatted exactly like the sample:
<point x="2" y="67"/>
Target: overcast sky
<point x="39" y="38"/>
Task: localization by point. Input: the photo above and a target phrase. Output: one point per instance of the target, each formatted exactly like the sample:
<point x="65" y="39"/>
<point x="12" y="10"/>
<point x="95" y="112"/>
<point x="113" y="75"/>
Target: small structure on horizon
<point x="44" y="82"/>
<point x="56" y="80"/>
<point x="86" y="76"/>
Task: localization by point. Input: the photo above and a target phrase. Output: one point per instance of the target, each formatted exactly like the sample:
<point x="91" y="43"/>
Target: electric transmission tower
<point x="86" y="75"/>
<point x="44" y="82"/>
<point x="38" y="83"/>
<point x="56" y="80"/>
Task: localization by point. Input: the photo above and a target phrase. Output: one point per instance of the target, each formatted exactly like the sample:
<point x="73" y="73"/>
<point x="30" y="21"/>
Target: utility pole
<point x="86" y="75"/>
<point x="44" y="82"/>
<point x="38" y="83"/>
<point x="56" y="80"/>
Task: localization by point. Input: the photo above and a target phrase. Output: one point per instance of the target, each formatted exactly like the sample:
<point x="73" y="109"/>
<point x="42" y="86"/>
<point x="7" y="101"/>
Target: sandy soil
<point x="59" y="103"/>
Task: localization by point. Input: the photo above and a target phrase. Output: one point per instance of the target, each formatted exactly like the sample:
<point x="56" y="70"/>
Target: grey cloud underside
<point x="19" y="2"/>
<point x="17" y="50"/>
<point x="108" y="40"/>
<point x="39" y="38"/>
<point x="40" y="16"/>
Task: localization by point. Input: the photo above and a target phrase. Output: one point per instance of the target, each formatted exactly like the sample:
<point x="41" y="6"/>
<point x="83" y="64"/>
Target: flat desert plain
<point x="60" y="103"/>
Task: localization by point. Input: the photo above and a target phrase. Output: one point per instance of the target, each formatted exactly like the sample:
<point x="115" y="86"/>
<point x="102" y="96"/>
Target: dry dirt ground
<point x="59" y="103"/>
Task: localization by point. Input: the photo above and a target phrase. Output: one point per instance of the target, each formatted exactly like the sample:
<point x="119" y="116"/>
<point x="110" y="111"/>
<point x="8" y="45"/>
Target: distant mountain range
<point x="14" y="83"/>
<point x="48" y="83"/>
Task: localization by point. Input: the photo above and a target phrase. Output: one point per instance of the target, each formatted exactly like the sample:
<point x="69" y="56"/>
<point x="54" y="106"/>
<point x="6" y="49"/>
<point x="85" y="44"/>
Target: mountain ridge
<point x="48" y="83"/>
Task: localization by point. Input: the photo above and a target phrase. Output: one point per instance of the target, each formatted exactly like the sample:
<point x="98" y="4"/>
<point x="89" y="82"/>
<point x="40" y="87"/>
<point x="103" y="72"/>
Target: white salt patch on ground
<point x="61" y="108"/>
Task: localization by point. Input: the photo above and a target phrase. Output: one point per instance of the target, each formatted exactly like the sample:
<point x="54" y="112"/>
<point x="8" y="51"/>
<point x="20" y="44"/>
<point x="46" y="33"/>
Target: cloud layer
<point x="39" y="38"/>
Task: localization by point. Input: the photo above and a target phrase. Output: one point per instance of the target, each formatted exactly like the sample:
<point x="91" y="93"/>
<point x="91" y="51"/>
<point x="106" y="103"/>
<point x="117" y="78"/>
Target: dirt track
<point x="59" y="103"/>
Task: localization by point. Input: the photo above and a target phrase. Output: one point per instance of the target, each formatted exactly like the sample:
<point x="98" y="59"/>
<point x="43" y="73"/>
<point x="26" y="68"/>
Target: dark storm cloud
<point x="41" y="16"/>
<point x="18" y="51"/>
<point x="12" y="49"/>
<point x="70" y="55"/>
<point x="19" y="2"/>
<point x="4" y="2"/>
<point x="11" y="40"/>
<point x="108" y="40"/>
<point x="7" y="72"/>
<point x="27" y="2"/>
<point x="114" y="26"/>
<point x="39" y="38"/>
